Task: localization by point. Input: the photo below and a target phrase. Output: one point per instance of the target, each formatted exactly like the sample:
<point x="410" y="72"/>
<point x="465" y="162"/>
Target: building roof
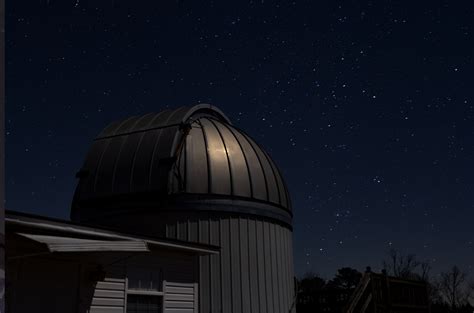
<point x="188" y="151"/>
<point x="66" y="236"/>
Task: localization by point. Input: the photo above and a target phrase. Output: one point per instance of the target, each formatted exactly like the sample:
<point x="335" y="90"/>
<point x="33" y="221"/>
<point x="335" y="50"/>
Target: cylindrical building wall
<point x="189" y="174"/>
<point x="253" y="272"/>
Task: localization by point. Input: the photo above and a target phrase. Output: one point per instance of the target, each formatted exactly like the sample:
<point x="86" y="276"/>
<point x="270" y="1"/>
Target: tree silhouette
<point x="400" y="265"/>
<point x="451" y="287"/>
<point x="308" y="289"/>
<point x="346" y="278"/>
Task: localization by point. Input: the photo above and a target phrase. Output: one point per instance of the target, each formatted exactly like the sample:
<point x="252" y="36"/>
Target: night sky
<point x="367" y="108"/>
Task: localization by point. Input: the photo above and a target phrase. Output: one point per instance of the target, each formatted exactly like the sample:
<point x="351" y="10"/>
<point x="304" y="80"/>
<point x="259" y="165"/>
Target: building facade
<point x="55" y="266"/>
<point x="189" y="176"/>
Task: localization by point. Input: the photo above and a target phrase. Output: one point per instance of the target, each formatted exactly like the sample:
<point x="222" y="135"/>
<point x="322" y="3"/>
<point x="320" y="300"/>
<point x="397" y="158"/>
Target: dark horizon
<point x="365" y="107"/>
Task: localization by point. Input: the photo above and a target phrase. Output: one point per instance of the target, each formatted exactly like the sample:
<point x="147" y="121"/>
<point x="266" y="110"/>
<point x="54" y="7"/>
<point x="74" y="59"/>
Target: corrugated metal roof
<point x="191" y="150"/>
<point x="70" y="244"/>
<point x="33" y="225"/>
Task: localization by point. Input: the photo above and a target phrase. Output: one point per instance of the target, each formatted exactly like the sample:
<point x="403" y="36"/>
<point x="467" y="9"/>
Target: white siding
<point x="109" y="295"/>
<point x="180" y="297"/>
<point x="179" y="287"/>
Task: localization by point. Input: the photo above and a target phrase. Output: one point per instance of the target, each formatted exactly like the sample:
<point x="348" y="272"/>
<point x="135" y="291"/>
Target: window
<point x="144" y="303"/>
<point x="145" y="279"/>
<point x="144" y="290"/>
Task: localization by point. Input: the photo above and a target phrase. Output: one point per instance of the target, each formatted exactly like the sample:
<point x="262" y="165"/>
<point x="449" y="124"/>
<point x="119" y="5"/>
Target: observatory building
<point x="177" y="211"/>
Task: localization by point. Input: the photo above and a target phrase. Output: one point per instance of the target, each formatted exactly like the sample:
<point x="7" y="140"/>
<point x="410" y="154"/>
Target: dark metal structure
<point x="380" y="293"/>
<point x="189" y="174"/>
<point x="188" y="151"/>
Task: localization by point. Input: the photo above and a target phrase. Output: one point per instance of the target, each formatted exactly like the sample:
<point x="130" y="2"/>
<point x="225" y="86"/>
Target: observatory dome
<point x="191" y="157"/>
<point x="189" y="174"/>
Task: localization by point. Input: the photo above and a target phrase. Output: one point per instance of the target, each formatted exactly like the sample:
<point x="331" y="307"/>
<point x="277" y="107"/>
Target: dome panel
<point x="86" y="174"/>
<point x="218" y="161"/>
<point x="241" y="185"/>
<point x="257" y="176"/>
<point x="143" y="158"/>
<point x="272" y="188"/>
<point x="110" y="129"/>
<point x="106" y="166"/>
<point x="127" y="125"/>
<point x="143" y="123"/>
<point x="122" y="173"/>
<point x="161" y="119"/>
<point x="189" y="154"/>
<point x="280" y="184"/>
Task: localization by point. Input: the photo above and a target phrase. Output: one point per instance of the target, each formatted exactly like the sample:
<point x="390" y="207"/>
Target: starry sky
<point x="364" y="105"/>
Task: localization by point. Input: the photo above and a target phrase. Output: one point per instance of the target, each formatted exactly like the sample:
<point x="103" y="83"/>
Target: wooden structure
<point x="379" y="293"/>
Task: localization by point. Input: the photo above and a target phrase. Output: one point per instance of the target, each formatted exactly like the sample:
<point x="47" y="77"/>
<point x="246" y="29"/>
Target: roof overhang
<point x="70" y="244"/>
<point x="65" y="236"/>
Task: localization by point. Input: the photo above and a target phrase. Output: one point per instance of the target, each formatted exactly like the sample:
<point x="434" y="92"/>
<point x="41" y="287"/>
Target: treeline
<point x="451" y="291"/>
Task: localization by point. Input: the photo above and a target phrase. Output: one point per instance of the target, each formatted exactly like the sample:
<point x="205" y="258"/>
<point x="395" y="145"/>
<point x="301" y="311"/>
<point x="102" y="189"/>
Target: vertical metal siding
<point x="281" y="271"/>
<point x="183" y="230"/>
<point x="244" y="268"/>
<point x="273" y="253"/>
<point x="285" y="269"/>
<point x="253" y="273"/>
<point x="193" y="234"/>
<point x="204" y="271"/>
<point x="235" y="260"/>
<point x="254" y="292"/>
<point x="225" y="260"/>
<point x="291" y="268"/>
<point x="268" y="267"/>
<point x="216" y="279"/>
<point x="261" y="267"/>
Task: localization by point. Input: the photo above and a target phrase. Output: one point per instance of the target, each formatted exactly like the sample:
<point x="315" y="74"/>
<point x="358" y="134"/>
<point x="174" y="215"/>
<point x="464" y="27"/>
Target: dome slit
<point x="196" y="161"/>
<point x="160" y="132"/>
<point x="179" y="166"/>
<point x="206" y="148"/>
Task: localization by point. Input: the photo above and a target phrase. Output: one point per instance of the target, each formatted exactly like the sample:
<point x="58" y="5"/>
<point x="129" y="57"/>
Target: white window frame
<point x="145" y="293"/>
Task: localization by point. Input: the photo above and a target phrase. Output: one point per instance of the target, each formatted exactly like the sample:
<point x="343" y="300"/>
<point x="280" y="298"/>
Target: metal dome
<point x="188" y="154"/>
